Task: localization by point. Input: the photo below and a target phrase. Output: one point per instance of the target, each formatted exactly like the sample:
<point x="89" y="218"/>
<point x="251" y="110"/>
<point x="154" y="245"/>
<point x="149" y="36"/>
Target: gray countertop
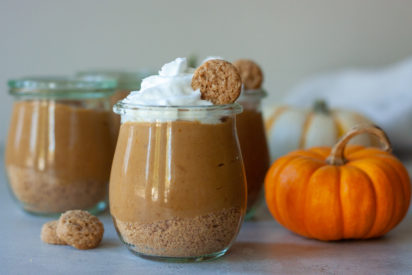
<point x="262" y="247"/>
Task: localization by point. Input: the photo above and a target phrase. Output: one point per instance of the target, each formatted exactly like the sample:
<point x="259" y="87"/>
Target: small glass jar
<point x="59" y="148"/>
<point x="255" y="152"/>
<point x="177" y="185"/>
<point x="126" y="82"/>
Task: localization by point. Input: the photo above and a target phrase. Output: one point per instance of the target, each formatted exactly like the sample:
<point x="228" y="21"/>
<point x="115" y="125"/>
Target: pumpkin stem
<point x="320" y="106"/>
<point x="337" y="157"/>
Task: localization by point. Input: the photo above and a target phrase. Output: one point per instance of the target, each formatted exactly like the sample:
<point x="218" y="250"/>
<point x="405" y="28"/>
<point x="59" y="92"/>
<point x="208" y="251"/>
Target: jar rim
<point x="61" y="86"/>
<point x="233" y="108"/>
<point x="126" y="80"/>
<point x="258" y="93"/>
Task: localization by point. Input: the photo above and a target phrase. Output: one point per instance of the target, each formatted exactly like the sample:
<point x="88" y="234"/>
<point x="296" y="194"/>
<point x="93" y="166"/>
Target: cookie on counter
<point x="80" y="229"/>
<point x="49" y="235"/>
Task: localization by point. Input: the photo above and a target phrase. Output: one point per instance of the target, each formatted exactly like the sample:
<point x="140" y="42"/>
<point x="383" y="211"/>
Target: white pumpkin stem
<point x="337" y="157"/>
<point x="320" y="106"/>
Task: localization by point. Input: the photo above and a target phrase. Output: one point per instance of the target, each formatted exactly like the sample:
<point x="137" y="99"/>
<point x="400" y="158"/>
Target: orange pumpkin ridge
<point x="275" y="171"/>
<point x="320" y="223"/>
<point x="385" y="195"/>
<point x="358" y="214"/>
<point x="344" y="192"/>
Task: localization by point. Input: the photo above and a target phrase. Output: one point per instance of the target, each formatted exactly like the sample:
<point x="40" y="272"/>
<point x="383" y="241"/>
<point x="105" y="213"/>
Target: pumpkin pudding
<point x="171" y="199"/>
<point x="177" y="187"/>
<point x="58" y="155"/>
<point x="251" y="131"/>
<point x="255" y="152"/>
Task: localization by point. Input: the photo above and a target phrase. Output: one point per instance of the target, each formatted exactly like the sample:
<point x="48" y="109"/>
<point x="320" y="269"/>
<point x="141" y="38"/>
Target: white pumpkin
<point x="290" y="128"/>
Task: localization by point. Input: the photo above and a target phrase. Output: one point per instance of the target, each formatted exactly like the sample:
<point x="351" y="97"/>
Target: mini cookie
<point x="48" y="233"/>
<point x="218" y="81"/>
<point x="250" y="72"/>
<point x="80" y="229"/>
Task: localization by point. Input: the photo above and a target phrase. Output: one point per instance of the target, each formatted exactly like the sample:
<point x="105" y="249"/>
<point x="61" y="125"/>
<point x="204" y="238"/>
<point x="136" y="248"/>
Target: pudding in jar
<point x="177" y="185"/>
<point x="251" y="131"/>
<point x="59" y="150"/>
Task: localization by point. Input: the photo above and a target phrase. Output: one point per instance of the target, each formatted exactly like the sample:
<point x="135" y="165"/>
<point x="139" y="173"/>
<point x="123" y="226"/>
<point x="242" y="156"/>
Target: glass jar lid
<point x="61" y="87"/>
<point x="126" y="80"/>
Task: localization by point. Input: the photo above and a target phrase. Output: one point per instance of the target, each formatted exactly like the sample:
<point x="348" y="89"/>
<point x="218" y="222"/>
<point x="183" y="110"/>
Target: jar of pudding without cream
<point x="255" y="152"/>
<point x="177" y="184"/>
<point x="59" y="149"/>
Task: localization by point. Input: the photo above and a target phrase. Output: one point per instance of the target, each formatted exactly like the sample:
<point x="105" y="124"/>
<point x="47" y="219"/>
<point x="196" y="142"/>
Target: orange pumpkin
<point x="347" y="192"/>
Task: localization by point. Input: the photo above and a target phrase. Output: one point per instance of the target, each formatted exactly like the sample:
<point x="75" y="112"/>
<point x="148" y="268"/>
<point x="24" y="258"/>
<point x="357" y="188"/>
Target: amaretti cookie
<point x="48" y="233"/>
<point x="250" y="72"/>
<point x="80" y="229"/>
<point x="218" y="80"/>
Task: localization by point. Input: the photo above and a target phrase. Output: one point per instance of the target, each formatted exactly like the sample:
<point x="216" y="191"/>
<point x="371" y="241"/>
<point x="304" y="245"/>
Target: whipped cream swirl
<point x="171" y="87"/>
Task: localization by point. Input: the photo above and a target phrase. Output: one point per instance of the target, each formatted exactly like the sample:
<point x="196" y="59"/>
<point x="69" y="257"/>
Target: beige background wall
<point x="290" y="39"/>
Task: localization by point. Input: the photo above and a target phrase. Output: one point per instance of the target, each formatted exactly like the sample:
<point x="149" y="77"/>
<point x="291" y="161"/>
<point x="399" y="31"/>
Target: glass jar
<point x="59" y="149"/>
<point x="126" y="82"/>
<point x="177" y="185"/>
<point x="255" y="152"/>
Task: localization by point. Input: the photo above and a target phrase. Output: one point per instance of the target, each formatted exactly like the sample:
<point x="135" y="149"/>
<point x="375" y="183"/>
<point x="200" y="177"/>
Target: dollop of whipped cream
<point x="171" y="87"/>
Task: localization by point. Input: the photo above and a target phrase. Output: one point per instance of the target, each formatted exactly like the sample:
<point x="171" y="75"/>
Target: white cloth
<point x="385" y="96"/>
